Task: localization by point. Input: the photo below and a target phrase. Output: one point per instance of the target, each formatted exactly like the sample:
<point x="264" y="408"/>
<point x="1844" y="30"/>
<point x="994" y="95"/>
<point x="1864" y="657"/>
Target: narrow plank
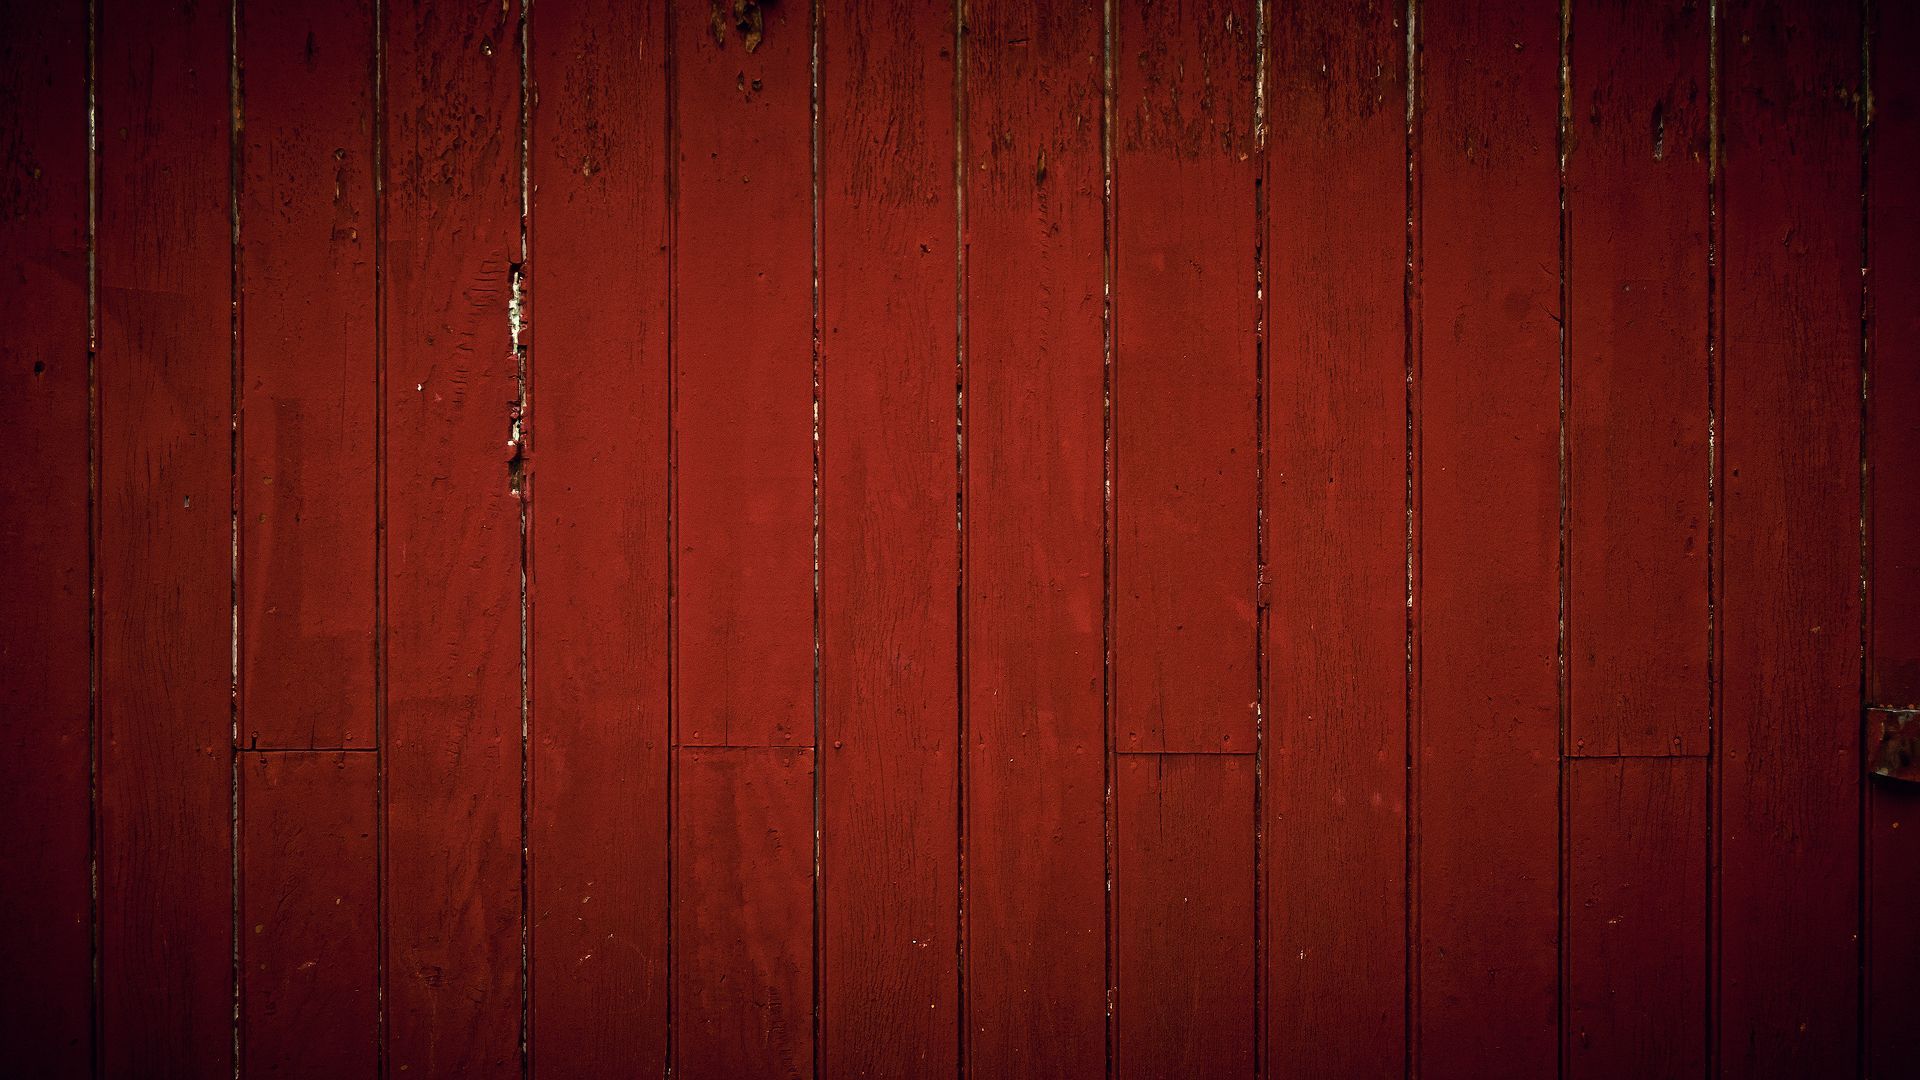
<point x="889" y="967"/>
<point x="743" y="913"/>
<point x="1185" y="917"/>
<point x="1185" y="377"/>
<point x="1336" y="488"/>
<point x="1036" y="767"/>
<point x="598" y="578"/>
<point x="308" y="914"/>
<point x="1637" y="399"/>
<point x="1789" y="797"/>
<point x="165" y="540"/>
<point x="1489" y="401"/>
<point x="46" y="966"/>
<point x="1893" y="245"/>
<point x="453" y="740"/>
<point x="1636" y="917"/>
<point x="308" y="337"/>
<point x="743" y="370"/>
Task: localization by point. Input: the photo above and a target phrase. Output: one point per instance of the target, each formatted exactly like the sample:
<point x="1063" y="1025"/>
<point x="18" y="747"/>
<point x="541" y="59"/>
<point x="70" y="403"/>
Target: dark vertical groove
<point x="1564" y="676"/>
<point x="1262" y="613"/>
<point x="1863" y="939"/>
<point x="235" y="362"/>
<point x="1410" y="316"/>
<point x="963" y="726"/>
<point x="522" y="427"/>
<point x="1109" y="524"/>
<point x="816" y="35"/>
<point x="96" y="1026"/>
<point x="671" y="182"/>
<point x="1715" y="386"/>
<point x="380" y="533"/>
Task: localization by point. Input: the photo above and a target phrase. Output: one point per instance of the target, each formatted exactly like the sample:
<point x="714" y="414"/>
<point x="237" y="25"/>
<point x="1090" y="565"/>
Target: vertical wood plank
<point x="453" y="753"/>
<point x="165" y="566"/>
<point x="1893" y="246"/>
<point x="889" y="979"/>
<point x="308" y="913"/>
<point x="1637" y="399"/>
<point x="1036" y="770"/>
<point x="1489" y="401"/>
<point x="308" y="337"/>
<point x="1636" y="917"/>
<point x="46" y="976"/>
<point x="1184" y="909"/>
<point x="1185" y="377"/>
<point x="1789" y="794"/>
<point x="1336" y="175"/>
<point x="598" y="579"/>
<point x="743" y="913"/>
<point x="743" y="365"/>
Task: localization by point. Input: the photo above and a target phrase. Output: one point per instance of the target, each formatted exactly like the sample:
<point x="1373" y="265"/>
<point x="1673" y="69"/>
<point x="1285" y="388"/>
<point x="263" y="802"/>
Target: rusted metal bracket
<point x="1893" y="743"/>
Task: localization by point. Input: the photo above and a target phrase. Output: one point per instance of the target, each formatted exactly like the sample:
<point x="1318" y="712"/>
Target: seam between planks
<point x="1411" y="315"/>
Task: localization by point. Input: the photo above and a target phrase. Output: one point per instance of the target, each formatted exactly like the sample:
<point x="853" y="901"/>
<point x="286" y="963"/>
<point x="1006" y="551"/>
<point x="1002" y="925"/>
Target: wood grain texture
<point x="1789" y="794"/>
<point x="1036" y="771"/>
<point x="1186" y="377"/>
<point x="743" y="913"/>
<point x="1638" y="385"/>
<point x="598" y="504"/>
<point x="1893" y="247"/>
<point x="1636" y="967"/>
<point x="1184" y="911"/>
<point x="1336" y="489"/>
<point x="309" y="878"/>
<point x="1489" y="420"/>
<point x="890" y="725"/>
<point x="163" y="248"/>
<point x="46" y="961"/>
<point x="308" y="337"/>
<point x="743" y="369"/>
<point x="453" y="739"/>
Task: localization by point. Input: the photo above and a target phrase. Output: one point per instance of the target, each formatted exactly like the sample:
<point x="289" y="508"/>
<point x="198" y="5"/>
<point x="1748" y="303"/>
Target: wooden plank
<point x="1636" y="917"/>
<point x="743" y="369"/>
<point x="46" y="954"/>
<point x="889" y="964"/>
<point x="1336" y="488"/>
<point x="1638" y="386"/>
<point x="1489" y="427"/>
<point x="1185" y="377"/>
<point x="309" y="880"/>
<point x="1184" y="914"/>
<point x="1036" y="767"/>
<point x="743" y="913"/>
<point x="165" y="540"/>
<point x="453" y="740"/>
<point x="1789" y="793"/>
<point x="308" y="337"/>
<point x="1893" y="678"/>
<point x="598" y="578"/>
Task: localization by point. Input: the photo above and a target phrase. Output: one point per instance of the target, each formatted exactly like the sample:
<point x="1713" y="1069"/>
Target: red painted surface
<point x="589" y="539"/>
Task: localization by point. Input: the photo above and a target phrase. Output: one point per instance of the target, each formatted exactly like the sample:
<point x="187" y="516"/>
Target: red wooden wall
<point x="600" y="538"/>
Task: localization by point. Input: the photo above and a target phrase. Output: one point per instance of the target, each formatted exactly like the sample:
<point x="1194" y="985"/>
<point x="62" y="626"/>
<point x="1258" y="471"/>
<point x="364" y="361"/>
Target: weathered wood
<point x="1335" y="371"/>
<point x="596" y="318"/>
<point x="1637" y="379"/>
<point x="46" y="962"/>
<point x="890" y="552"/>
<point x="1788" y="791"/>
<point x="1488" y="391"/>
<point x="453" y="737"/>
<point x="1036" y="766"/>
<point x="165" y="597"/>
<point x="309" y="913"/>
<point x="743" y="913"/>
<point x="306" y="508"/>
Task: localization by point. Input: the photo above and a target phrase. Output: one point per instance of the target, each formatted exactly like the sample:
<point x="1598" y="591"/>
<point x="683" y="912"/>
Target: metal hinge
<point x="1893" y="743"/>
